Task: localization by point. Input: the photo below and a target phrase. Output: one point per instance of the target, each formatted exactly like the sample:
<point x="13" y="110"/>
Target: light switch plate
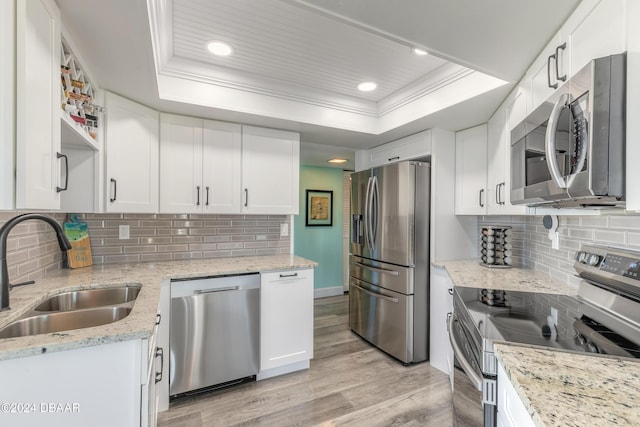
<point x="284" y="229"/>
<point x="123" y="232"/>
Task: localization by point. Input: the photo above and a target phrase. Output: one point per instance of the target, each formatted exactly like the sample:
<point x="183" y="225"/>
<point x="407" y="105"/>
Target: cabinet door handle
<point x="502" y="184"/>
<point x="158" y="318"/>
<point x="497" y="194"/>
<point x="450" y="290"/>
<point x="207" y="190"/>
<point x="394" y="158"/>
<point x="160" y="354"/>
<point x="115" y="190"/>
<point x="555" y="85"/>
<point x="563" y="46"/>
<point x="246" y="197"/>
<point x="66" y="172"/>
<point x="480" y="198"/>
<point x="197" y="195"/>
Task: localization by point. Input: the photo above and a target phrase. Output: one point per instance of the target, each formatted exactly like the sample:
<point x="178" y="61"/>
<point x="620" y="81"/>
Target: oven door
<point x="467" y="378"/>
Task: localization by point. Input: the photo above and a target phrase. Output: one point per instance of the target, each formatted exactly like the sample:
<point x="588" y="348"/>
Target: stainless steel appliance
<point x="604" y="318"/>
<point x="570" y="151"/>
<point x="215" y="332"/>
<point x="389" y="261"/>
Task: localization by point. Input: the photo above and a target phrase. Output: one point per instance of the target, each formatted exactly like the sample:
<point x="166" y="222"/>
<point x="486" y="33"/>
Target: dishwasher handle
<point x="209" y="291"/>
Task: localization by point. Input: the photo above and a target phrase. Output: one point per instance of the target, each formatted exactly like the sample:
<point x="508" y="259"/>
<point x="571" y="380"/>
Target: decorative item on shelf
<point x="77" y="94"/>
<point x="496" y="247"/>
<point x="319" y="210"/>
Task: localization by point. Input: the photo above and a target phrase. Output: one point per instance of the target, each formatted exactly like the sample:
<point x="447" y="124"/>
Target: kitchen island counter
<point x="141" y="321"/>
<point x="567" y="389"/>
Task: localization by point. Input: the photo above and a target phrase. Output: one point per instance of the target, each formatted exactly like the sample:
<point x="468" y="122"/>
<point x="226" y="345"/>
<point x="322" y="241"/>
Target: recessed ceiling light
<point x="219" y="48"/>
<point x="419" y="52"/>
<point x="337" y="160"/>
<point x="367" y="86"/>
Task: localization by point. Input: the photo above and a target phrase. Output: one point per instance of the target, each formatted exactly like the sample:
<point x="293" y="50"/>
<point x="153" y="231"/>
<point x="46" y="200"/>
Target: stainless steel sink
<point x="64" y="321"/>
<point x="89" y="298"/>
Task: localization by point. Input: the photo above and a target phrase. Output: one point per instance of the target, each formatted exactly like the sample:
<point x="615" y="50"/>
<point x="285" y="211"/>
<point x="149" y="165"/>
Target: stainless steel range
<point x="604" y="318"/>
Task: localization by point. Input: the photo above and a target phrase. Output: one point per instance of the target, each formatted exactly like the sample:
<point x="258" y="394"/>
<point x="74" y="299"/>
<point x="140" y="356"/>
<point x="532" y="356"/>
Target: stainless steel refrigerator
<point x="389" y="259"/>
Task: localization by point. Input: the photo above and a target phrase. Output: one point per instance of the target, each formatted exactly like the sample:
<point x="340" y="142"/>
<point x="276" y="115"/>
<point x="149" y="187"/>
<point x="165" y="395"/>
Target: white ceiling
<point x="296" y="63"/>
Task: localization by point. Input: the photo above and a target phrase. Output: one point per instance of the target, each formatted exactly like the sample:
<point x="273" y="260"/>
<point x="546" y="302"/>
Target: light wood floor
<point x="349" y="383"/>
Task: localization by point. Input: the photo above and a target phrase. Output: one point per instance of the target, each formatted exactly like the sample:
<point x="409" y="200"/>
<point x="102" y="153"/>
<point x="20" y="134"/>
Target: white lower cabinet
<point x="511" y="410"/>
<point x="286" y="320"/>
<point x="440" y="308"/>
<point x="101" y="385"/>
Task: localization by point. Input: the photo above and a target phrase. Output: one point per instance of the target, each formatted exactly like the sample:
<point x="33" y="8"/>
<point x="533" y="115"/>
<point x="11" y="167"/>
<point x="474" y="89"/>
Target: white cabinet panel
<point x="200" y="164"/>
<point x="471" y="171"/>
<point x="440" y="306"/>
<point x="270" y="171"/>
<point x="222" y="167"/>
<point x="37" y="104"/>
<point x="600" y="33"/>
<point x="101" y="384"/>
<point x="286" y="318"/>
<point x="131" y="156"/>
<point x="7" y="103"/>
<point x="180" y="164"/>
<point x="511" y="410"/>
<point x="411" y="147"/>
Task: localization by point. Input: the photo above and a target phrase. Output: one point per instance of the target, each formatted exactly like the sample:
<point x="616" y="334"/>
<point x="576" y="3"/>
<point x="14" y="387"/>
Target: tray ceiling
<point x="296" y="63"/>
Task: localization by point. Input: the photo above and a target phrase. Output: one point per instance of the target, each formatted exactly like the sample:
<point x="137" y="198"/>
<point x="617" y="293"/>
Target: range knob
<point x="593" y="259"/>
<point x="582" y="257"/>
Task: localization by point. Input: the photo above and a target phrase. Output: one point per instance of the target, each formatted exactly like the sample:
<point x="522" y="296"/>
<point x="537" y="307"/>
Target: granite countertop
<point x="470" y="273"/>
<point x="140" y="322"/>
<point x="566" y="389"/>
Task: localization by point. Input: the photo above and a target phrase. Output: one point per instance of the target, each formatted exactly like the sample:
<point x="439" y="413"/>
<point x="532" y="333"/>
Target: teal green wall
<point x="321" y="244"/>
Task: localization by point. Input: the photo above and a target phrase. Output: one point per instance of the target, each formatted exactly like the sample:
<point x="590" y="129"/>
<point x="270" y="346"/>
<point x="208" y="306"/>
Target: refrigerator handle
<point x="367" y="214"/>
<point x="375" y="201"/>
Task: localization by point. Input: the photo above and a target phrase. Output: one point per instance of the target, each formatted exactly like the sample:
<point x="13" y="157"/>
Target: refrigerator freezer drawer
<point x="389" y="276"/>
<point x="384" y="318"/>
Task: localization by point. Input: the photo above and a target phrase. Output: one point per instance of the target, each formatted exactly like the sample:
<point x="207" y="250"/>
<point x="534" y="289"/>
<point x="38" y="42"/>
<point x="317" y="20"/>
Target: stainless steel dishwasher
<point x="215" y="332"/>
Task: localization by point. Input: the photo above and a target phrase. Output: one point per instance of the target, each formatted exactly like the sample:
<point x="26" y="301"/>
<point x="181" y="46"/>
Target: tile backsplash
<point x="32" y="249"/>
<point x="532" y="247"/>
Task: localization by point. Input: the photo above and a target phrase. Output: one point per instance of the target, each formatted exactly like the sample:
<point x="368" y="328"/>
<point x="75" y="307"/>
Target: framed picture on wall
<point x="319" y="210"/>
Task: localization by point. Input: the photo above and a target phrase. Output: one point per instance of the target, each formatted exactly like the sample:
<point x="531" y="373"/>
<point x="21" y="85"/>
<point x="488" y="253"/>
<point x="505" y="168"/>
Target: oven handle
<point x="374" y="294"/>
<point x="550" y="140"/>
<point x="457" y="351"/>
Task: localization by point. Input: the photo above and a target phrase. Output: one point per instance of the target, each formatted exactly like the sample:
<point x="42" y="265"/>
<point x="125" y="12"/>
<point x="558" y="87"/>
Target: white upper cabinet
<point x="270" y="171"/>
<point x="411" y="147"/>
<point x="222" y="167"/>
<point x="131" y="156"/>
<point x="200" y="164"/>
<point x="595" y="29"/>
<point x="499" y="155"/>
<point x="471" y="171"/>
<point x="37" y="104"/>
<point x="7" y="103"/>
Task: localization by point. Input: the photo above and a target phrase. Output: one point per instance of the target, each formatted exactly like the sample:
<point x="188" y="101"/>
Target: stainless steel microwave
<point x="570" y="151"/>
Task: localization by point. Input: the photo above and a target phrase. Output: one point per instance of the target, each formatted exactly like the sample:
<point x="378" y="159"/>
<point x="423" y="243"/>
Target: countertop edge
<point x="141" y="321"/>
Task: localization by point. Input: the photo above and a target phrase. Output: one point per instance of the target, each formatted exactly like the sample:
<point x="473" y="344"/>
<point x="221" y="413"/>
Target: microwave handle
<point x="550" y="140"/>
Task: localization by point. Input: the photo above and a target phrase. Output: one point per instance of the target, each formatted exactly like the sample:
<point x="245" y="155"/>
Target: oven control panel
<point x="618" y="262"/>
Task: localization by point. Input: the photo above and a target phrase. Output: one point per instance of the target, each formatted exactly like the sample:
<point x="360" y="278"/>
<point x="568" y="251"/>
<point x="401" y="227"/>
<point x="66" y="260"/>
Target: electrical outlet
<point x="123" y="232"/>
<point x="284" y="229"/>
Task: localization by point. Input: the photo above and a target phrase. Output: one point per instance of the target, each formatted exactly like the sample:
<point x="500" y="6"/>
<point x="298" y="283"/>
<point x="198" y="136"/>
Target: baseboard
<point x="274" y="372"/>
<point x="328" y="292"/>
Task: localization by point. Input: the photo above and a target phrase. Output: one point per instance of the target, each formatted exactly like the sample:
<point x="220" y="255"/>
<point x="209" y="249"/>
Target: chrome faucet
<point x="4" y="232"/>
